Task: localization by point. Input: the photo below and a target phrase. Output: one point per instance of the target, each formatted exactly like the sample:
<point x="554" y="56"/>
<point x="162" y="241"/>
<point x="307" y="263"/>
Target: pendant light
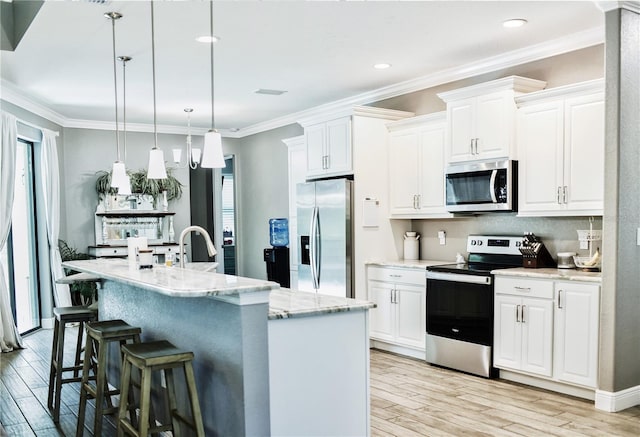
<point x="126" y="188"/>
<point x="156" y="169"/>
<point x="193" y="154"/>
<point x="212" y="156"/>
<point x="119" y="178"/>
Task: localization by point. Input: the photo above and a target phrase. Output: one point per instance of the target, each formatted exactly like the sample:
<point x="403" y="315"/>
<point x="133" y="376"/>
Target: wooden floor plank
<point x="408" y="398"/>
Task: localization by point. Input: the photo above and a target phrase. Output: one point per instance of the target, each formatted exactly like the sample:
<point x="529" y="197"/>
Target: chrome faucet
<point x="210" y="248"/>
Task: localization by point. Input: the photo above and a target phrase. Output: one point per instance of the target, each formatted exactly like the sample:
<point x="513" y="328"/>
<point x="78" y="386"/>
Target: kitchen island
<point x="267" y="361"/>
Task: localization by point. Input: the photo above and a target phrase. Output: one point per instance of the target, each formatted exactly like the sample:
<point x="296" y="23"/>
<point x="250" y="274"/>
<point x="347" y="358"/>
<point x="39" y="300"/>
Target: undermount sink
<point x="201" y="266"/>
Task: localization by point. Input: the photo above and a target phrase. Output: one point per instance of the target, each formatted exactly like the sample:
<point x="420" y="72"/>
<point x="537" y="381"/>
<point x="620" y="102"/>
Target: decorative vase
<point x="172" y="233"/>
<point x="165" y="203"/>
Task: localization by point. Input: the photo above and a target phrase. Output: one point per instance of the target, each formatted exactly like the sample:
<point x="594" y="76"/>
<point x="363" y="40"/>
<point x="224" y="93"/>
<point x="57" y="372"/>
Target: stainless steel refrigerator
<point x="324" y="237"/>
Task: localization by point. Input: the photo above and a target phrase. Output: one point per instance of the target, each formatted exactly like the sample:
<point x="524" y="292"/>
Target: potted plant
<point x="141" y="185"/>
<point x="82" y="293"/>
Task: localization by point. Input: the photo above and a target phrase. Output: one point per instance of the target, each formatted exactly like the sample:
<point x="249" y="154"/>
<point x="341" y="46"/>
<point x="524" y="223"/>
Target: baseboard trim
<point x="548" y="384"/>
<point x="400" y="350"/>
<point x="47" y="323"/>
<point x="619" y="400"/>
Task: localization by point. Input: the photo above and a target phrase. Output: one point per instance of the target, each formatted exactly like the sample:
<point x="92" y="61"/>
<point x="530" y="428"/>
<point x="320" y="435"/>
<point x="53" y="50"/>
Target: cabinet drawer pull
<point x="395" y="276"/>
<point x="525" y="289"/>
<point x="517" y="313"/>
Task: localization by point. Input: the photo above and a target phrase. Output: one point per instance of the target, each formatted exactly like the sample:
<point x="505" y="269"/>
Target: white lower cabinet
<point x="523" y="326"/>
<point x="547" y="328"/>
<point x="576" y="317"/>
<point x="400" y="313"/>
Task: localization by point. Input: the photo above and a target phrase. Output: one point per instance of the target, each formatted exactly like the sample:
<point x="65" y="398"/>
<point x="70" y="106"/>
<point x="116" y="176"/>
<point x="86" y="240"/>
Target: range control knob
<point x="473" y="242"/>
<point x="479" y="242"/>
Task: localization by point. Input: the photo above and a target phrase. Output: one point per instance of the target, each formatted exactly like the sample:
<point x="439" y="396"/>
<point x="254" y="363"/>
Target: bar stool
<point x="64" y="316"/>
<point x="99" y="335"/>
<point x="152" y="356"/>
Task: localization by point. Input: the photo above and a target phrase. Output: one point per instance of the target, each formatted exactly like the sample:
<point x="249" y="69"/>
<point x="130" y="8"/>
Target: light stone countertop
<point x="286" y="304"/>
<point x="194" y="282"/>
<point x="551" y="273"/>
<point x="171" y="281"/>
<point x="407" y="264"/>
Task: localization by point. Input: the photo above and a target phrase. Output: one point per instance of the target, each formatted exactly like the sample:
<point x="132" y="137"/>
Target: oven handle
<point x="469" y="279"/>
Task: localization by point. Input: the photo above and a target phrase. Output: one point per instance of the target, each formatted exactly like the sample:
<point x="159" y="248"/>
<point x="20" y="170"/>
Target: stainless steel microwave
<point x="482" y="186"/>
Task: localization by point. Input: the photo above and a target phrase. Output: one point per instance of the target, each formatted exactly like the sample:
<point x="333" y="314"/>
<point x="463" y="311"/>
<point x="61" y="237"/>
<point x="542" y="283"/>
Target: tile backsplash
<point x="557" y="233"/>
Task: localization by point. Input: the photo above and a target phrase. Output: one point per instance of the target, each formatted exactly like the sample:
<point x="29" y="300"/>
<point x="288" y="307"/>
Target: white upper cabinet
<point x="561" y="151"/>
<point x="329" y="148"/>
<point x="416" y="167"/>
<point x="329" y="139"/>
<point x="481" y="119"/>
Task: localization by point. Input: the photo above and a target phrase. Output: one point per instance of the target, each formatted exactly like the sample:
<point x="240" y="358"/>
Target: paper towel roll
<point x="134" y="243"/>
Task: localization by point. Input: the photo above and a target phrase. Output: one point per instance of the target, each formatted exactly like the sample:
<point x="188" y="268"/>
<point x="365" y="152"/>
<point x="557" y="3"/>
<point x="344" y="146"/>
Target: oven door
<point x="460" y="307"/>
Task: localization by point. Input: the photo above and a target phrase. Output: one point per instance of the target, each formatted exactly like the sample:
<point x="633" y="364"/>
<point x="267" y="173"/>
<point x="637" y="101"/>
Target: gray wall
<point x="262" y="184"/>
<point x="88" y="151"/>
<point x="620" y="325"/>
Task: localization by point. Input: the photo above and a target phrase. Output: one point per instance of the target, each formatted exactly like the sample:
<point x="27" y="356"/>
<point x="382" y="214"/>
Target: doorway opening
<point x="229" y="230"/>
<point x="19" y="255"/>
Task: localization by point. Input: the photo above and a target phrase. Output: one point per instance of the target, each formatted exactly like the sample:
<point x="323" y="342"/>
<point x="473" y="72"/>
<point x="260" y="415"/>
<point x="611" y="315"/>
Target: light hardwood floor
<point x="408" y="398"/>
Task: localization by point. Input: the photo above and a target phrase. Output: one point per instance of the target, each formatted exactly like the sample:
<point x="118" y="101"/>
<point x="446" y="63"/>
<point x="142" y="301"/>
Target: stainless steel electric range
<point x="459" y="329"/>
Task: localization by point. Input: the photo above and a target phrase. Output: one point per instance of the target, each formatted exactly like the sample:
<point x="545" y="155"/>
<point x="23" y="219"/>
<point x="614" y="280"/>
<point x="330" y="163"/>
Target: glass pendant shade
<point x="177" y="156"/>
<point x="212" y="156"/>
<point x="119" y="176"/>
<point x="156" y="169"/>
<point x="195" y="155"/>
<point x="125" y="189"/>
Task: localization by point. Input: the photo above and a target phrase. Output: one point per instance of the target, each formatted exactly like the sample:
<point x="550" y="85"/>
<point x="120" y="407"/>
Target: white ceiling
<point x="319" y="52"/>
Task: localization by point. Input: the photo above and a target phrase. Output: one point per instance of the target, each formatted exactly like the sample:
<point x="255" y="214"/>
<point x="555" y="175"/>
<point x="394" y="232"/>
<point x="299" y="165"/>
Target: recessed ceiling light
<point x="269" y="92"/>
<point x="381" y="66"/>
<point x="208" y="38"/>
<point x="514" y="22"/>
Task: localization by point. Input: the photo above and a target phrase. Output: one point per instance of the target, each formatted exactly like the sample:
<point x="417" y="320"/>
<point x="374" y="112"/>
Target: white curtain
<point x="9" y="337"/>
<point x="51" y="190"/>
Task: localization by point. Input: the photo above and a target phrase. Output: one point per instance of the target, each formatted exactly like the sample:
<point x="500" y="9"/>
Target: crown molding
<point x="365" y="111"/>
<point x="587" y="87"/>
<point x="294" y="141"/>
<point x="606" y="6"/>
<point x="517" y="84"/>
<point x="435" y="117"/>
<point x="532" y="53"/>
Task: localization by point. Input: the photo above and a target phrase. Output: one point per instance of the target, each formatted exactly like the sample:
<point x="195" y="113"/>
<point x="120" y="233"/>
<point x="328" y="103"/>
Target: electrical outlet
<point x="442" y="236"/>
<point x="638" y="237"/>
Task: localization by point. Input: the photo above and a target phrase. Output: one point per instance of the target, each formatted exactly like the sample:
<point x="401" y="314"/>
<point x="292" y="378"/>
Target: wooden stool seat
<point x="63" y="316"/>
<point x="152" y="356"/>
<point x="99" y="336"/>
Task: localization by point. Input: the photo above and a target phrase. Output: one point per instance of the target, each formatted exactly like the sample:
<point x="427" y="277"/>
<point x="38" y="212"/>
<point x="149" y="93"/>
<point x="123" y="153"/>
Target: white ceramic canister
<point x="411" y="246"/>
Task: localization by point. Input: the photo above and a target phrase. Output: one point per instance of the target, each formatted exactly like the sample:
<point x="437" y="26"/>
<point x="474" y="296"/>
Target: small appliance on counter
<point x="587" y="238"/>
<point x="565" y="260"/>
<point x="534" y="253"/>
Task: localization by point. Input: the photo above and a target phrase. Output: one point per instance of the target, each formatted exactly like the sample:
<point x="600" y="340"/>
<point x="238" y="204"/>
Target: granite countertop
<point x="171" y="281"/>
<point x="551" y="273"/>
<point x="286" y="304"/>
<point x="407" y="264"/>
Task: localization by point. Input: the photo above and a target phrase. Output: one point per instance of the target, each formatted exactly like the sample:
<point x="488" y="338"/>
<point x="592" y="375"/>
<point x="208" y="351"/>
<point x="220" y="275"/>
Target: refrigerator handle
<point x="313" y="242"/>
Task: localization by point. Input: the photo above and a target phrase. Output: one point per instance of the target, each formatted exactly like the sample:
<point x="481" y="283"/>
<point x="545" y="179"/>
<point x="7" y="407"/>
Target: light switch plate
<point x="442" y="236"/>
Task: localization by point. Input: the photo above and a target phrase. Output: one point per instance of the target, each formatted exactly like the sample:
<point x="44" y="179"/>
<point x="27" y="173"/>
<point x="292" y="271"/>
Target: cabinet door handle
<point x="525" y="289"/>
<point x="517" y="313"/>
<point x="391" y="296"/>
<point x="559" y="194"/>
<point x="564" y="194"/>
<point x="419" y="199"/>
<point x="475" y="143"/>
<point x="522" y="313"/>
<point x="559" y="294"/>
<point x="471" y="145"/>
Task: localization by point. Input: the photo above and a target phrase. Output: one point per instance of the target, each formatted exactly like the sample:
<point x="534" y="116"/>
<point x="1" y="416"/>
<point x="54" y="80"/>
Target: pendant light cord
<point x="153" y="67"/>
<point x="113" y="17"/>
<point x="124" y="104"/>
<point x="213" y="121"/>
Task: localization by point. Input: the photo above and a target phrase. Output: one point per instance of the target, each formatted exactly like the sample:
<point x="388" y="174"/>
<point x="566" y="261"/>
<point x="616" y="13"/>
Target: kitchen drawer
<point x="405" y="276"/>
<point x="164" y="249"/>
<point x="100" y="252"/>
<point x="540" y="288"/>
